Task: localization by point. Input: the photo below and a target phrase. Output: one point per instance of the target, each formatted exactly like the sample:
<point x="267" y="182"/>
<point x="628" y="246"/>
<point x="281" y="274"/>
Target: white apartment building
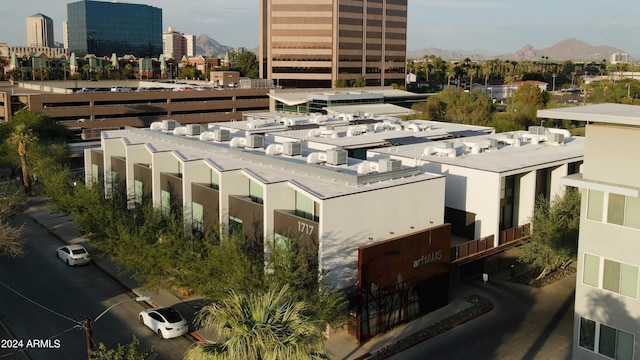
<point x="493" y="180"/>
<point x="272" y="189"/>
<point x="607" y="307"/>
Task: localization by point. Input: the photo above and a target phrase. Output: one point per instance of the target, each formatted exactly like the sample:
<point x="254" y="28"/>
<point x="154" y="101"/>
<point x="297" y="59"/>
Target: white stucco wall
<point x="136" y="154"/>
<point x="348" y="222"/>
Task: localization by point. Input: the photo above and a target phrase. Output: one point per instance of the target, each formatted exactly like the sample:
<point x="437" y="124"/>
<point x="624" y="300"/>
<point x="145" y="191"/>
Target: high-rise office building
<point x="175" y="44"/>
<point x="104" y="28"/>
<point x="39" y="31"/>
<point x="316" y="43"/>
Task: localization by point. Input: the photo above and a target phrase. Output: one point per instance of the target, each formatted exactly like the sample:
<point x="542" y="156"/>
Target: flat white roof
<point x="501" y="159"/>
<point x="603" y="113"/>
<point x="323" y="181"/>
<point x="375" y="109"/>
<point x="386" y="133"/>
<point x="294" y="97"/>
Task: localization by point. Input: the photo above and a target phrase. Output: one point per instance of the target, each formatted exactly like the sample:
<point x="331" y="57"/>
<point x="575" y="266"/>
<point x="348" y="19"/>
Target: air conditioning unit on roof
<point x="169" y="125"/>
<point x="221" y="135"/>
<point x="336" y="157"/>
<point x="292" y="148"/>
<point x="537" y="130"/>
<point x="193" y="129"/>
<point x="555" y="138"/>
<point x="385" y="165"/>
<point x="255" y="141"/>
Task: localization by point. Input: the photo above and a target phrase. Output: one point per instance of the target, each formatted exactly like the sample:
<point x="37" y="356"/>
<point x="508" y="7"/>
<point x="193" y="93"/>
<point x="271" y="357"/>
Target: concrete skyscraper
<point x="316" y="43"/>
<point x="39" y="31"/>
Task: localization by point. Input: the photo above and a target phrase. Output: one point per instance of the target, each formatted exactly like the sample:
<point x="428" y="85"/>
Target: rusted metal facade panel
<point x="401" y="279"/>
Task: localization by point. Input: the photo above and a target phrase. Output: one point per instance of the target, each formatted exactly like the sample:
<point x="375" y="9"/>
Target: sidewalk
<point x="339" y="346"/>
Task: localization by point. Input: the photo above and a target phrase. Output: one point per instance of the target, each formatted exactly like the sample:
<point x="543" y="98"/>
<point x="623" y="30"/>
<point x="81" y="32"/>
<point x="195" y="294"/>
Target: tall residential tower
<point x="316" y="43"/>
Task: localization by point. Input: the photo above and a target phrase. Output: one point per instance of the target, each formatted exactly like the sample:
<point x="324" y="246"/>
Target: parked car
<point x="120" y="89"/>
<point x="166" y="322"/>
<point x="73" y="254"/>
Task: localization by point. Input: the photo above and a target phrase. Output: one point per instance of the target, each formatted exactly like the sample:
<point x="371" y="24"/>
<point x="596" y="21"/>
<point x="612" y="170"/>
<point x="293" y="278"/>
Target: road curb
<point x="152" y="304"/>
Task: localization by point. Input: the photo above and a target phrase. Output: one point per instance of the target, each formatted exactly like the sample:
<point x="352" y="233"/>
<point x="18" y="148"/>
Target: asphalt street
<point x="526" y="323"/>
<point x="42" y="302"/>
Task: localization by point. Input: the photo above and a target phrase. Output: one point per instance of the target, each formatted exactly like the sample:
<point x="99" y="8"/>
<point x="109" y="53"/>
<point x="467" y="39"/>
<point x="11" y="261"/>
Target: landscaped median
<point x="481" y="305"/>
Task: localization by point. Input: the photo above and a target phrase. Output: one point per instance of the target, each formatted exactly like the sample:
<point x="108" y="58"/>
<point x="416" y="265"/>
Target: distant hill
<point x="569" y="49"/>
<point x="207" y="46"/>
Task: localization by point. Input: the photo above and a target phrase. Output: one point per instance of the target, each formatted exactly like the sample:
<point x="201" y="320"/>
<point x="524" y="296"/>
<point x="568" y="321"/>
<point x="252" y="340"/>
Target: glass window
<point x="235" y="225"/>
<point x="611" y="276"/>
<point x="255" y="192"/>
<point x="165" y="202"/>
<point x="587" y="333"/>
<point x="137" y="188"/>
<point x="629" y="280"/>
<point x="624" y="346"/>
<point x="607" y="341"/>
<point x="304" y="206"/>
<point x="591" y="270"/>
<point x="632" y="213"/>
<point x="95" y="173"/>
<point x="198" y="216"/>
<point x="615" y="207"/>
<point x="596" y="199"/>
<point x="215" y="180"/>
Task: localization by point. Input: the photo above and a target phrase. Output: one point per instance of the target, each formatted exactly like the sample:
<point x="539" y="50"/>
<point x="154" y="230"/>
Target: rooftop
<point x="603" y="113"/>
<point x="311" y="170"/>
<point x="498" y="153"/>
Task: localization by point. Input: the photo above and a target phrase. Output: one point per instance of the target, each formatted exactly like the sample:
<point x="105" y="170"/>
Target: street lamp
<point x="87" y="321"/>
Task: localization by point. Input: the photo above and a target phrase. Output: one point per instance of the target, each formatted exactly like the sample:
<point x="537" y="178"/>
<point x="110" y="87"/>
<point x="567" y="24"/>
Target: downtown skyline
<point x="495" y="27"/>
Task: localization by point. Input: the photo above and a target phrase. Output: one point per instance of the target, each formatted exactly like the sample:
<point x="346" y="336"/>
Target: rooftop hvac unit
<point x="537" y="130"/>
<point x="555" y="138"/>
<point x="169" y="125"/>
<point x="255" y="141"/>
<point x="493" y="143"/>
<point x="371" y="128"/>
<point x="292" y="148"/>
<point x="385" y="165"/>
<point x="193" y="129"/>
<point x="221" y="135"/>
<point x="445" y="145"/>
<point x="336" y="157"/>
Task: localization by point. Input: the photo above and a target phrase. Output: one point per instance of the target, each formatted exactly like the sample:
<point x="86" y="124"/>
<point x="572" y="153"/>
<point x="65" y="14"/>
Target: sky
<point x="493" y="26"/>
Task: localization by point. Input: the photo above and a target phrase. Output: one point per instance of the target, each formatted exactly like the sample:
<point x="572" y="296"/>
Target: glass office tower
<point x="103" y="28"/>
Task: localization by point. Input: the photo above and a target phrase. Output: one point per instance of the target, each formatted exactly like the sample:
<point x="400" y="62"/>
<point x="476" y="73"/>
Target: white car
<point x="166" y="322"/>
<point x="73" y="254"/>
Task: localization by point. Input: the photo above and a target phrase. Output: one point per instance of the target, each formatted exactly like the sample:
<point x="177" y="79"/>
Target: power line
<point x="39" y="305"/>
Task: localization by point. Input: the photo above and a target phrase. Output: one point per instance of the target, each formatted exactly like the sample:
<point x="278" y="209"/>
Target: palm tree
<point x="268" y="326"/>
<point x="22" y="135"/>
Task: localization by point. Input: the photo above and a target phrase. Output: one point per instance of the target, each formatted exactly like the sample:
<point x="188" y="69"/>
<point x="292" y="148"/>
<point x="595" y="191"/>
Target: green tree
<point x="189" y="72"/>
<point x="359" y="82"/>
<point x="124" y="352"/>
<point x="11" y="238"/>
<point x="342" y="83"/>
<point x="554" y="239"/>
<point x="261" y="326"/>
<point x="247" y="63"/>
<point x="23" y="136"/>
<point x="294" y="262"/>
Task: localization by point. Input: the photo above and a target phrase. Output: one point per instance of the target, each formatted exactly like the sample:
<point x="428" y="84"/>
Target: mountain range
<point x="569" y="49"/>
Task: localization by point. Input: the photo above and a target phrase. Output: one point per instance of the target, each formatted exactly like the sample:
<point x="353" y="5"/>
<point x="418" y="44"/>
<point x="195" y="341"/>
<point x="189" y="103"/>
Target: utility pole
<point x="87" y="329"/>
